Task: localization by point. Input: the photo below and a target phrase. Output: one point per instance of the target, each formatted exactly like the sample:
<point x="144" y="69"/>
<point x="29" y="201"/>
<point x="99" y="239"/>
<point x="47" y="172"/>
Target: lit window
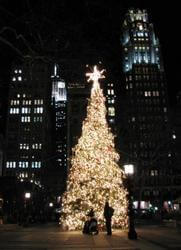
<point x="154" y="172"/>
<point x="174" y="136"/>
<point x="165" y="109"/>
<point x="19" y="78"/>
<point x="111" y="111"/>
<point x="40" y="110"/>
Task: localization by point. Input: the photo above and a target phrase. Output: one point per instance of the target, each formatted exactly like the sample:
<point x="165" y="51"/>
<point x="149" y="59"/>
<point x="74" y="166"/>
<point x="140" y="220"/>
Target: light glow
<point x="27" y="195"/>
<point x="95" y="76"/>
<point x="129" y="169"/>
<point x="95" y="176"/>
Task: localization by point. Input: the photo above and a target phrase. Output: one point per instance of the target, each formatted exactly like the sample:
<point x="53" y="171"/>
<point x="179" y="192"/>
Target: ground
<point x="50" y="237"/>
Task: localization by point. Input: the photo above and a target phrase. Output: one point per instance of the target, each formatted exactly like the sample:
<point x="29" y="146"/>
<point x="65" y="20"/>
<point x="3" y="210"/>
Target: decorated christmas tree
<point x="95" y="176"/>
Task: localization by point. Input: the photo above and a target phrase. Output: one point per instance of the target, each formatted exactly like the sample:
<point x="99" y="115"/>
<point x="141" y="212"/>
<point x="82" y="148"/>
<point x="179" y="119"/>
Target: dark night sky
<point x="91" y="28"/>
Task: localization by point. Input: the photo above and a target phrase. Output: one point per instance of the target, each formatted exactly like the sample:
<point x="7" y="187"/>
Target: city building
<point x="110" y="103"/>
<point x="28" y="148"/>
<point x="78" y="94"/>
<point x="176" y="145"/>
<point x="3" y="104"/>
<point x="147" y="136"/>
<point x="59" y="131"/>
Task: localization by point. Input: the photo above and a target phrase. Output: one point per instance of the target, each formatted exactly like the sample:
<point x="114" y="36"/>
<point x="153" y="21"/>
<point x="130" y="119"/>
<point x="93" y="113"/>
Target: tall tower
<point x="59" y="133"/>
<point x="28" y="122"/>
<point x="146" y="142"/>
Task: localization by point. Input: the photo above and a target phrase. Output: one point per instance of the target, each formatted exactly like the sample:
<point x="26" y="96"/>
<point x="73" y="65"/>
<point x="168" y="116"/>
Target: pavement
<point x="50" y="237"/>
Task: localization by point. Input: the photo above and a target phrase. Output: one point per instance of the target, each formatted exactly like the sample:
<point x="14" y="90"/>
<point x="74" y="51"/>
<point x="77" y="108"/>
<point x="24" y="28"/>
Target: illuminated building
<point x="28" y="146"/>
<point x="59" y="133"/>
<point x="110" y="101"/>
<point x="146" y="137"/>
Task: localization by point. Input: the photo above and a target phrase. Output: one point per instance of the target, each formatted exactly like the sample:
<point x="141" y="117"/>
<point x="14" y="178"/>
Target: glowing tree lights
<point x="95" y="176"/>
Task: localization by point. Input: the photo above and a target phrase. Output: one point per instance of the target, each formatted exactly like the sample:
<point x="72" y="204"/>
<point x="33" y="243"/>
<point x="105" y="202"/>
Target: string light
<point x="95" y="176"/>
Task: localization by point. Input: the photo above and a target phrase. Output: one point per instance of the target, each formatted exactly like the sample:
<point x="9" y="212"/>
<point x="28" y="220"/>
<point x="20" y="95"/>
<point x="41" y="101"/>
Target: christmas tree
<point x="95" y="176"/>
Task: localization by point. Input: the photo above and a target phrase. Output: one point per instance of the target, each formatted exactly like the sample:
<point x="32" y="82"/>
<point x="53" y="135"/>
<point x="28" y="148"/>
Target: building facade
<point x="147" y="134"/>
<point x="78" y="94"/>
<point x="59" y="131"/>
<point x="110" y="103"/>
<point x="28" y="122"/>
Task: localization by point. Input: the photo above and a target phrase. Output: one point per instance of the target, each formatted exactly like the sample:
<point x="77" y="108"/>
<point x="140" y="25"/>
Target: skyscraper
<point x="146" y="140"/>
<point x="59" y="131"/>
<point x="28" y="122"/>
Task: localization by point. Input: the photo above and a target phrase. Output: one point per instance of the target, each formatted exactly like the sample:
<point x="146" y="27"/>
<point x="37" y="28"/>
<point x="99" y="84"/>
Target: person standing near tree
<point x="108" y="213"/>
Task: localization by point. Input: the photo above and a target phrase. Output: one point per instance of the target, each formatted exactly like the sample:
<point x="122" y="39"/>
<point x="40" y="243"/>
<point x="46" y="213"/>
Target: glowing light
<point x="27" y="195"/>
<point x="95" y="76"/>
<point x="95" y="175"/>
<point x="129" y="169"/>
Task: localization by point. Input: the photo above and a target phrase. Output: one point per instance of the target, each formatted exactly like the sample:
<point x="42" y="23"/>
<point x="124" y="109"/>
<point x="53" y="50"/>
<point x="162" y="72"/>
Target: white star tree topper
<point x="95" y="76"/>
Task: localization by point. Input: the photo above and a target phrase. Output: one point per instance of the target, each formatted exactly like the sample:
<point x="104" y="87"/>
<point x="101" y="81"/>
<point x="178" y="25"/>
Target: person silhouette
<point x="108" y="213"/>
